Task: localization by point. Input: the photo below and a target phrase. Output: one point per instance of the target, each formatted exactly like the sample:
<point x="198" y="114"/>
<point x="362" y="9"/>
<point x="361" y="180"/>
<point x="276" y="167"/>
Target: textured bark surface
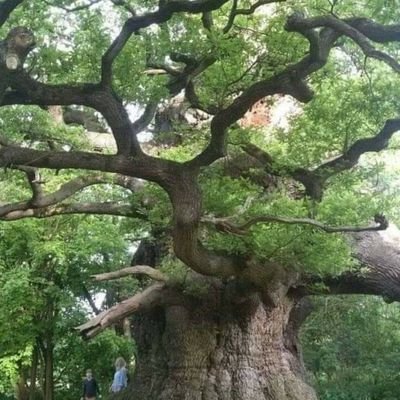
<point x="217" y="350"/>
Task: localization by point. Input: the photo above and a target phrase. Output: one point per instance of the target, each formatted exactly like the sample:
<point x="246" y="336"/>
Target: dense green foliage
<point x="351" y="346"/>
<point x="45" y="266"/>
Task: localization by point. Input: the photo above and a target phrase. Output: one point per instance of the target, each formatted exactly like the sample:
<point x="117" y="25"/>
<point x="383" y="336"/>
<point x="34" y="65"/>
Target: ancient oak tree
<point x="240" y="221"/>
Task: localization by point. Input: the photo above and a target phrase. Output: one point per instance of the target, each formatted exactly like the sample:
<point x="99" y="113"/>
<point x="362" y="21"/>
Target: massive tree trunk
<point x="216" y="349"/>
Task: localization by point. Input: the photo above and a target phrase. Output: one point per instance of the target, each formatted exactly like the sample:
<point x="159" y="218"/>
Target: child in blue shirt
<point x="120" y="377"/>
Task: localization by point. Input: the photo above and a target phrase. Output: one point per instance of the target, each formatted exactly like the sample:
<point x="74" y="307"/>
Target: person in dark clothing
<point x="90" y="387"/>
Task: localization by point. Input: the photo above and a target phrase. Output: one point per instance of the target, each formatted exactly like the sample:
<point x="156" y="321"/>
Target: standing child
<point x="90" y="387"/>
<point x="120" y="377"/>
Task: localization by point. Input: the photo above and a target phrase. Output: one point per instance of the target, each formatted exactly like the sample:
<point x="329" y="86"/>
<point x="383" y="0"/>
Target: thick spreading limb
<point x="145" y="167"/>
<point x="28" y="91"/>
<point x="378" y="273"/>
<point x="350" y="158"/>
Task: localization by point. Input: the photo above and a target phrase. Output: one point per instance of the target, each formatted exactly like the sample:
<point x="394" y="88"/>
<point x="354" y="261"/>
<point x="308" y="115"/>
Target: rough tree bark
<point x="213" y="348"/>
<point x="235" y="336"/>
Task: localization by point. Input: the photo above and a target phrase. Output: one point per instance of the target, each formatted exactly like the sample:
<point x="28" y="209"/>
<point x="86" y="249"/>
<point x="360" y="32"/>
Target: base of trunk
<point x="216" y="350"/>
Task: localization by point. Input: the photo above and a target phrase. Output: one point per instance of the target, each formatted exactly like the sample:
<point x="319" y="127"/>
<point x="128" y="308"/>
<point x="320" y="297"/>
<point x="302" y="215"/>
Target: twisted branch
<point x="224" y="225"/>
<point x="143" y="301"/>
<point x="135" y="23"/>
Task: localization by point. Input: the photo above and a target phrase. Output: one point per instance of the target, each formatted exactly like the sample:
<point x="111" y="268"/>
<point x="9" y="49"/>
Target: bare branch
<point x="144" y="301"/>
<point x="224" y="224"/>
<point x="128" y="271"/>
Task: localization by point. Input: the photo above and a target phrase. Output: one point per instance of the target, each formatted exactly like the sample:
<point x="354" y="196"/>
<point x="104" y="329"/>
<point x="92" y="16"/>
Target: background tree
<point x="240" y="225"/>
<point x="349" y="356"/>
<point x="43" y="269"/>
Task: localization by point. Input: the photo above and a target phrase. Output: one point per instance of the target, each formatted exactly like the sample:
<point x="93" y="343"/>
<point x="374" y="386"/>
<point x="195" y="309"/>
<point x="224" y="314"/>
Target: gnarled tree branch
<point x="343" y="28"/>
<point x="144" y="301"/>
<point x="224" y="224"/>
<point x="288" y="82"/>
<point x="315" y="179"/>
<point x="135" y="23"/>
<point x="46" y="205"/>
<point x="145" y="167"/>
<point x="350" y="158"/>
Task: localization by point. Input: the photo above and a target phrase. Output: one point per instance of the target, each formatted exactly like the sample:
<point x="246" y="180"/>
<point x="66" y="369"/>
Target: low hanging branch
<point x="143" y="301"/>
<point x="43" y="205"/>
<point x="22" y="210"/>
<point x="128" y="271"/>
<point x="223" y="224"/>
